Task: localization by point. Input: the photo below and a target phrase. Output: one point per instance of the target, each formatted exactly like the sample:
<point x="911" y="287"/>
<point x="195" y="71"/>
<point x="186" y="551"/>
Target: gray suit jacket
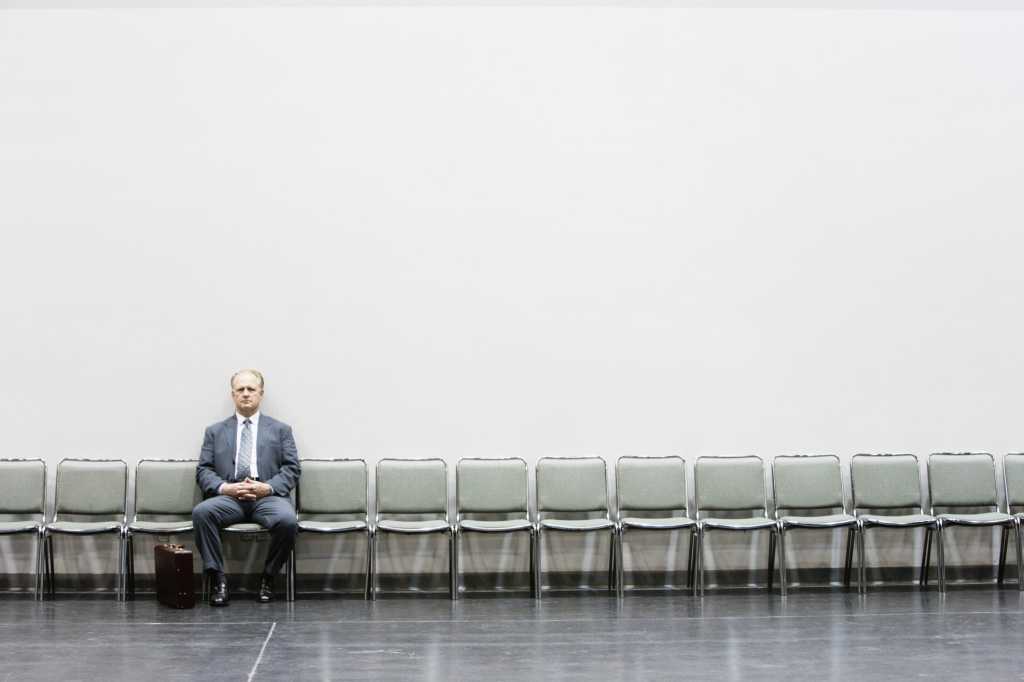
<point x="276" y="458"/>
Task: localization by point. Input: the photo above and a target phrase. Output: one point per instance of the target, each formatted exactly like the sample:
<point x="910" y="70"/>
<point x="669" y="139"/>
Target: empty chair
<point x="732" y="485"/>
<point x="491" y="497"/>
<point x="165" y="493"/>
<point x="94" y="493"/>
<point x="331" y="499"/>
<point x="412" y="499"/>
<point x="965" y="481"/>
<point x="812" y="483"/>
<point x="23" y="505"/>
<point x="651" y="495"/>
<point x="1013" y="481"/>
<point x="890" y="482"/>
<point x="572" y="497"/>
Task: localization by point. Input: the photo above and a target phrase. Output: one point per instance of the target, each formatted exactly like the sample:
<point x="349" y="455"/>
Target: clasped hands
<point x="246" y="490"/>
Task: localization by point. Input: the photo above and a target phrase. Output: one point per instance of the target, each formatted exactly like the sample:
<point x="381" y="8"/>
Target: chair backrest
<point x="96" y="487"/>
<point x="807" y="482"/>
<point x="572" y="484"/>
<point x="22" y="486"/>
<point x="962" y="480"/>
<point x="491" y="486"/>
<point x="885" y="482"/>
<point x="412" y="486"/>
<point x="1013" y="478"/>
<point x="332" y="486"/>
<point x="650" y="483"/>
<point x="166" y="487"/>
<point x="729" y="484"/>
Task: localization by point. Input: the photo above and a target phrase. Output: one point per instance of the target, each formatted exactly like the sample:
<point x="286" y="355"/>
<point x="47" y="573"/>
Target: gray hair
<point x="255" y="372"/>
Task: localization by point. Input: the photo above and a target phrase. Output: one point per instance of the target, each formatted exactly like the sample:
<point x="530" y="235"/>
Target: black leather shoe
<point x="266" y="593"/>
<point x="219" y="592"/>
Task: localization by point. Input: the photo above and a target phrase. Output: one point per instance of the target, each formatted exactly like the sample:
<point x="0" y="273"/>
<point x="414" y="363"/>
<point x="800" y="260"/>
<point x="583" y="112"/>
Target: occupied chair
<point x="407" y="491"/>
<point x="890" y="482"/>
<point x="491" y="497"/>
<point x="95" y="490"/>
<point x="732" y="485"/>
<point x="643" y="486"/>
<point x="331" y="499"/>
<point x="23" y="505"/>
<point x="966" y="481"/>
<point x="572" y="497"/>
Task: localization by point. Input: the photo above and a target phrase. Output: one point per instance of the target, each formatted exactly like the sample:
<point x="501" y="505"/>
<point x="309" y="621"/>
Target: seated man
<point x="247" y="469"/>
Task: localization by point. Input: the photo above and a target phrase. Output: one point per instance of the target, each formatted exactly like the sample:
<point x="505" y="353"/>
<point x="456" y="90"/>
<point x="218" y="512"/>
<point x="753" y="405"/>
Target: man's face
<point x="247" y="394"/>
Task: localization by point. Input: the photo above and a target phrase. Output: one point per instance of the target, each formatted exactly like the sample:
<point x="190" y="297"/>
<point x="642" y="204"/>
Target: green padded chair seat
<point x="665" y="523"/>
<point x="332" y="526"/>
<point x="245" y="528"/>
<point x="898" y="521"/>
<point x="983" y="519"/>
<point x="827" y="521"/>
<point x="430" y="526"/>
<point x="11" y="527"/>
<point x="83" y="527"/>
<point x="160" y="527"/>
<point x="499" y="526"/>
<point x="576" y="524"/>
<point x="751" y="523"/>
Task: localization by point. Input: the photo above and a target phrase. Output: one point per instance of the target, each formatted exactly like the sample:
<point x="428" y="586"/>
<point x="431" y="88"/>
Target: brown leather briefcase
<point x="174" y="586"/>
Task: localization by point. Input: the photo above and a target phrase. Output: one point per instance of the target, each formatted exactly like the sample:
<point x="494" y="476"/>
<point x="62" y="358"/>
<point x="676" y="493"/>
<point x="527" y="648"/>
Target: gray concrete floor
<point x="969" y="634"/>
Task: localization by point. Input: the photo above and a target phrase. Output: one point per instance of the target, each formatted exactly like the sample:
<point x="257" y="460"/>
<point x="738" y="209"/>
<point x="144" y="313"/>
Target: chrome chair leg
<point x="782" y="560"/>
<point x="289" y="578"/>
<point x="771" y="560"/>
<point x="941" y="558"/>
<point x="1020" y="555"/>
<point x="540" y="564"/>
<point x="850" y="539"/>
<point x="373" y="570"/>
<point x="691" y="563"/>
<point x="700" y="561"/>
<point x="369" y="564"/>
<point x="533" y="562"/>
<point x="40" y="580"/>
<point x="620" y="571"/>
<point x="453" y="564"/>
<point x="611" y="562"/>
<point x="1004" y="538"/>
<point x="862" y="583"/>
<point x="926" y="556"/>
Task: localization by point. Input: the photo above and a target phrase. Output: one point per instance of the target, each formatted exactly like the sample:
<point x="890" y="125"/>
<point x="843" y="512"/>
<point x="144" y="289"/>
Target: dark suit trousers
<point x="274" y="513"/>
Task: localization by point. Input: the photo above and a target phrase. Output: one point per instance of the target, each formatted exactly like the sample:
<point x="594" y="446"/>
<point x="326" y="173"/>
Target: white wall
<point x="453" y="232"/>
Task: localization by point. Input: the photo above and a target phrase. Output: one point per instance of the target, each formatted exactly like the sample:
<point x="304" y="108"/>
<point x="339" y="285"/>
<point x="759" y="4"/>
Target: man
<point x="247" y="469"/>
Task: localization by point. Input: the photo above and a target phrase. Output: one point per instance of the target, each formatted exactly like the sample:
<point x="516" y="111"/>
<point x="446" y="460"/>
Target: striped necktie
<point x="242" y="466"/>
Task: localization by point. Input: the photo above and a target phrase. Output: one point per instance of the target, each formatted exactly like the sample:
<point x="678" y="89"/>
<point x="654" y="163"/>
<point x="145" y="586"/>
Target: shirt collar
<point x="255" y="419"/>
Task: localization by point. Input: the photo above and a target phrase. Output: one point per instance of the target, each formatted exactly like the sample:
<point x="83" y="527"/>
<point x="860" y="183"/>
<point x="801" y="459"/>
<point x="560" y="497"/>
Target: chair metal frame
<point x="769" y="523"/>
<point x="930" y="524"/>
<point x="1018" y="518"/>
<point x="48" y="530"/>
<point x="527" y="523"/>
<point x="449" y="527"/>
<point x="40" y="574"/>
<point x="542" y="524"/>
<point x="853" y="524"/>
<point x="684" y="522"/>
<point x="130" y="528"/>
<point x="949" y="519"/>
<point x="292" y="564"/>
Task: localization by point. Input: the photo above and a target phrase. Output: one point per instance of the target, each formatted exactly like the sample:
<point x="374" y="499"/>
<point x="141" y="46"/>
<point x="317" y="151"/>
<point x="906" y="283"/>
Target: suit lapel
<point x="262" y="437"/>
<point x="231" y="425"/>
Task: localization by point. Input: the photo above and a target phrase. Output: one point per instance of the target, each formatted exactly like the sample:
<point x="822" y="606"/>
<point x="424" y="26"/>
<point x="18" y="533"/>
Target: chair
<point x="331" y="499"/>
<point x="812" y="483"/>
<point x="407" y="490"/>
<point x="731" y="485"/>
<point x="1013" y="484"/>
<point x="23" y="505"/>
<point x="890" y="482"/>
<point x="570" y="490"/>
<point x="96" y="489"/>
<point x="644" y="485"/>
<point x="965" y="480"/>
<point x="491" y="497"/>
<point x="165" y="493"/>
